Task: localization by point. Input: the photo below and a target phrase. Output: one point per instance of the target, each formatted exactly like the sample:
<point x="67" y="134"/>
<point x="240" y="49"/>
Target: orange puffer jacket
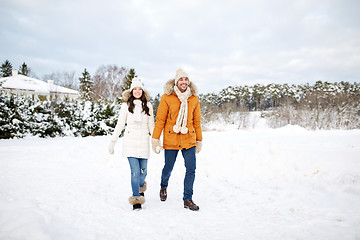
<point x="167" y="114"/>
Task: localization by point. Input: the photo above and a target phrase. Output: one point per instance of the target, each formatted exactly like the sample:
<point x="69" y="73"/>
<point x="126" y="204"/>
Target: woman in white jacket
<point x="137" y="113"/>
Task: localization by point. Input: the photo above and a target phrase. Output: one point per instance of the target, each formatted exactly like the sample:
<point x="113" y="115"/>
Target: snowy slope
<point x="287" y="183"/>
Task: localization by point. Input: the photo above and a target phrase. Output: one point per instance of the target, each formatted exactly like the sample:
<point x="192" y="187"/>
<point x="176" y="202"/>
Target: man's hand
<point x="198" y="147"/>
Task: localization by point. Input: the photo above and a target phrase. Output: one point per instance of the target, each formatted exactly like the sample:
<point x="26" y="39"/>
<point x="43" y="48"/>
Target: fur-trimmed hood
<point x="127" y="93"/>
<point x="169" y="87"/>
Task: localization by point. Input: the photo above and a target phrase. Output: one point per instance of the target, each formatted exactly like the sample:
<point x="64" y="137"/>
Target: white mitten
<point x="155" y="144"/>
<point x="198" y="147"/>
<point x="111" y="147"/>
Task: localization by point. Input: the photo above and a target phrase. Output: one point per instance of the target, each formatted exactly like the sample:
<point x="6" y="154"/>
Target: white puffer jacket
<point x="136" y="141"/>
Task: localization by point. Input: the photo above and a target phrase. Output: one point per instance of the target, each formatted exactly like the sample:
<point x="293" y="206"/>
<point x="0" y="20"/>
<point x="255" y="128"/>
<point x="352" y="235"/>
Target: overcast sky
<point x="218" y="43"/>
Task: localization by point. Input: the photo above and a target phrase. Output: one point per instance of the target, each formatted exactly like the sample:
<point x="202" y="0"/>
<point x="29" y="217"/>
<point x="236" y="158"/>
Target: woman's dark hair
<point x="144" y="105"/>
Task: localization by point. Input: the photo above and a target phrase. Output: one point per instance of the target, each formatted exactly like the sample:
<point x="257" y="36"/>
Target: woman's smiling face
<point x="137" y="92"/>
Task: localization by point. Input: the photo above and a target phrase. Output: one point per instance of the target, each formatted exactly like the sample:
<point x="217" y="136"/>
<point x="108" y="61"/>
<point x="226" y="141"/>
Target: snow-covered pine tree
<point x="6" y="69"/>
<point x="24" y="69"/>
<point x="108" y="116"/>
<point x="76" y="117"/>
<point x="12" y="124"/>
<point x="155" y="104"/>
<point x="4" y="117"/>
<point x="92" y="119"/>
<point x="128" y="79"/>
<point x="86" y="86"/>
<point x="100" y="115"/>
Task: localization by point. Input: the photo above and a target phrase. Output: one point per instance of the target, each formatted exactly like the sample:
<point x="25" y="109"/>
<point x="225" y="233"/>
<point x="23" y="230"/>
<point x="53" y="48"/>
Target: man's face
<point x="183" y="84"/>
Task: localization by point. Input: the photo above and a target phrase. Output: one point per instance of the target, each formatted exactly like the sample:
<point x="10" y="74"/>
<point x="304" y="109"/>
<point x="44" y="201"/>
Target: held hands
<point x="111" y="147"/>
<point x="198" y="147"/>
<point x="155" y="144"/>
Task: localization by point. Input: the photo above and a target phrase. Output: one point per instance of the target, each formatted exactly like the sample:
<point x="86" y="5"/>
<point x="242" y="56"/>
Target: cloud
<point x="240" y="42"/>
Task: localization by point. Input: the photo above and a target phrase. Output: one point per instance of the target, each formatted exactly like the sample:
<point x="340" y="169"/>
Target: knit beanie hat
<point x="136" y="82"/>
<point x="179" y="74"/>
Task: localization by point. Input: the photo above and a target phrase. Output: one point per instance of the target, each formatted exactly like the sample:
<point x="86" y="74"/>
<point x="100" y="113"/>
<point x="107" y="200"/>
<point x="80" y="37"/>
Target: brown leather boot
<point x="163" y="194"/>
<point x="189" y="204"/>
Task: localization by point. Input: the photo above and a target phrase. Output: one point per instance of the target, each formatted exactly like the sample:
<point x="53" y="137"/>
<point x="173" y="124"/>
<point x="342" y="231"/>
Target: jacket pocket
<point x="170" y="137"/>
<point x="190" y="138"/>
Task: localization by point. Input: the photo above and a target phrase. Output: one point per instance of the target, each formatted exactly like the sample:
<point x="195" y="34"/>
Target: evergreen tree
<point x="156" y="103"/>
<point x="6" y="69"/>
<point x="86" y="86"/>
<point x="128" y="79"/>
<point x="5" y="124"/>
<point x="76" y="122"/>
<point x="24" y="69"/>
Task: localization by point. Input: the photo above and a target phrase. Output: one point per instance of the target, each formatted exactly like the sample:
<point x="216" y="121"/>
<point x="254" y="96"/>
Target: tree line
<point x="108" y="82"/>
<point x="264" y="97"/>
<point x="323" y="105"/>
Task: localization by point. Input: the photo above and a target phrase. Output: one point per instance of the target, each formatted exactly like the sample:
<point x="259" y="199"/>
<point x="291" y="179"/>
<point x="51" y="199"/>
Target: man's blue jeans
<point x="190" y="165"/>
<point x="138" y="168"/>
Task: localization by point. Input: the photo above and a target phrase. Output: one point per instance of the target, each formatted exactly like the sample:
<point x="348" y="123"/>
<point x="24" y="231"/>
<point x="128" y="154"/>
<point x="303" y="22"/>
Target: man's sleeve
<point x="197" y="122"/>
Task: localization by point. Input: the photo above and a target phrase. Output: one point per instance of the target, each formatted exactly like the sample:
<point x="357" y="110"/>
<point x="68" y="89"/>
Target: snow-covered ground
<point x="286" y="183"/>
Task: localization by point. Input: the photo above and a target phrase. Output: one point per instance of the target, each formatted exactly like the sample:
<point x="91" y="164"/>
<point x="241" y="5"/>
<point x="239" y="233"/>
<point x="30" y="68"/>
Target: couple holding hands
<point x="178" y="118"/>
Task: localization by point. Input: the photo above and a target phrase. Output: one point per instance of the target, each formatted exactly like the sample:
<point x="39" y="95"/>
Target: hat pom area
<point x="184" y="130"/>
<point x="176" y="128"/>
<point x="179" y="70"/>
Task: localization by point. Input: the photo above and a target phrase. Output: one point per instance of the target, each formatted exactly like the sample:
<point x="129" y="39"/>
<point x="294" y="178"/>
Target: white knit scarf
<point x="137" y="110"/>
<point x="181" y="120"/>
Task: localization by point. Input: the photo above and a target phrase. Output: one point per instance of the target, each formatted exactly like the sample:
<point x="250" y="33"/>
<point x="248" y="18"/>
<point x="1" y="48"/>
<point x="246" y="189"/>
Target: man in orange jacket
<point x="179" y="116"/>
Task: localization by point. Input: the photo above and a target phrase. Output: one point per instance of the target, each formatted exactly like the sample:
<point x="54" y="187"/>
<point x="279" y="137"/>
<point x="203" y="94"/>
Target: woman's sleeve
<point x="151" y="119"/>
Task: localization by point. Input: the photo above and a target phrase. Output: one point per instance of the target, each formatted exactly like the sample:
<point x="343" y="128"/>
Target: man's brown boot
<point x="163" y="194"/>
<point x="189" y="204"/>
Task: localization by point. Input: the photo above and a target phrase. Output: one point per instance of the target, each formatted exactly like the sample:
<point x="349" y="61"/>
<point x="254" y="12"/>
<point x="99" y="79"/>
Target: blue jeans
<point x="138" y="168"/>
<point x="190" y="165"/>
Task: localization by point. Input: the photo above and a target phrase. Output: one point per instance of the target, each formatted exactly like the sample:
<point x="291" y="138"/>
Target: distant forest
<point x="323" y="105"/>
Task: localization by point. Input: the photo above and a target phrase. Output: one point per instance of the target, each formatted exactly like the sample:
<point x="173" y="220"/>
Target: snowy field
<point x="286" y="183"/>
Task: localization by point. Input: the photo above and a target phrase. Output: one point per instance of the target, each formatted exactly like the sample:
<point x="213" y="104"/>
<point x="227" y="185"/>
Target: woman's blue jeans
<point x="190" y="165"/>
<point x="138" y="168"/>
